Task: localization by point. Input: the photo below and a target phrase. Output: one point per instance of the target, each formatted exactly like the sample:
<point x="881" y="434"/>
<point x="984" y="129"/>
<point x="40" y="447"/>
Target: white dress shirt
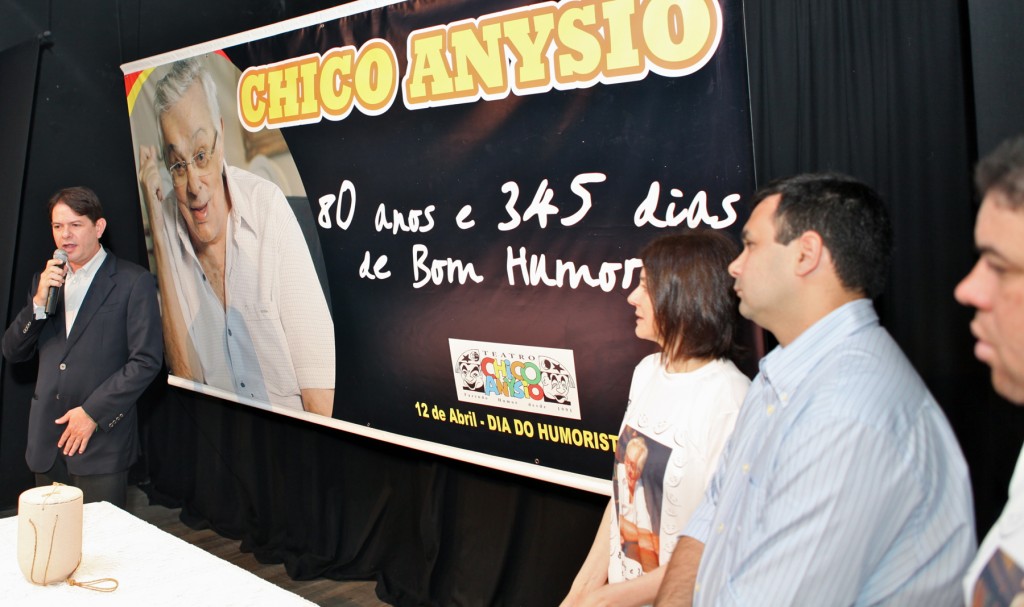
<point x="76" y="285"/>
<point x="275" y="336"/>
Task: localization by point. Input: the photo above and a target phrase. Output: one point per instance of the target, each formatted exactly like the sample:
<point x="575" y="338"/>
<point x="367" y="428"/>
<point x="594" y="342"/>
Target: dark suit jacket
<point x="114" y="351"/>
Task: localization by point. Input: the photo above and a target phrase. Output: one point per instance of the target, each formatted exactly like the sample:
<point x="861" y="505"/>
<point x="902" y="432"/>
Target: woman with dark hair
<point x="683" y="403"/>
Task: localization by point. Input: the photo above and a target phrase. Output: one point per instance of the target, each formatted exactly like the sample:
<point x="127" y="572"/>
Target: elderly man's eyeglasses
<point x="200" y="164"/>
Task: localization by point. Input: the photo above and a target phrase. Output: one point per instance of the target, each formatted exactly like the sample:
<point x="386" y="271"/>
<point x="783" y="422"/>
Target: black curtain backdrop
<point x="18" y="66"/>
<point x="879" y="90"/>
<point x="996" y="48"/>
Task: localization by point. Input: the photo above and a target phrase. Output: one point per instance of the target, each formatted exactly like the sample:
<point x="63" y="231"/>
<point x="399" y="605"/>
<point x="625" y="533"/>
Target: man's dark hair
<point x="79" y="199"/>
<point x="696" y="311"/>
<point x="849" y="216"/>
<point x="1003" y="171"/>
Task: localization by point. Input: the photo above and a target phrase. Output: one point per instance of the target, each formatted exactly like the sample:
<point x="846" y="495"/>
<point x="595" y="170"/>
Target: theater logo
<point x="522" y="378"/>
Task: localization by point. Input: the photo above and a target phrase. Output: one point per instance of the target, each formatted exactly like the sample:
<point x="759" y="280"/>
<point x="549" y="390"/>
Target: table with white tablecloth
<point x="151" y="566"/>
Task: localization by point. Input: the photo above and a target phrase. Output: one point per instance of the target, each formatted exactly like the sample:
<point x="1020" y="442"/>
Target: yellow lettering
<point x="428" y="78"/>
<point x="252" y="98"/>
<point x="336" y="82"/>
<point x="376" y="77"/>
<point x="309" y="88"/>
<point x="588" y="439"/>
<point x="479" y="58"/>
<point x="578" y="58"/>
<point x="292" y="94"/>
<point x="621" y="55"/>
<point x="528" y="40"/>
<point x="680" y="35"/>
<point x="570" y="44"/>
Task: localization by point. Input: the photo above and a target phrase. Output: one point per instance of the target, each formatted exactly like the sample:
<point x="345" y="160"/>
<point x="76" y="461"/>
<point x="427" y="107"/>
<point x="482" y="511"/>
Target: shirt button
<point x="243" y="384"/>
<point x="770" y="409"/>
<point x="746" y="468"/>
<point x="63" y="366"/>
<point x="721" y="527"/>
<point x="784" y="397"/>
<point x="229" y="332"/>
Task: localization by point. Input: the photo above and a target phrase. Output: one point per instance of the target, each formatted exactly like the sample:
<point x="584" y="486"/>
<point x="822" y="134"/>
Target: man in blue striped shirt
<point x="995" y="288"/>
<point x="842" y="483"/>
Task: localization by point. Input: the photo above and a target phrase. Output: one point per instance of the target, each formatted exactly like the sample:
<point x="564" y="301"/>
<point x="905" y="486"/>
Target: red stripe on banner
<point x="129" y="82"/>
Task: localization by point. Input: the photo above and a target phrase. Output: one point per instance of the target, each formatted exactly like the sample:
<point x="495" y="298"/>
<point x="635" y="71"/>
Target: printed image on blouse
<point x="1001" y="583"/>
<point x="638" y="534"/>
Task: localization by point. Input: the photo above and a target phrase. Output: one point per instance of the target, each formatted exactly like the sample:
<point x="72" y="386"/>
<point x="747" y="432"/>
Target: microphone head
<point x="61" y="254"/>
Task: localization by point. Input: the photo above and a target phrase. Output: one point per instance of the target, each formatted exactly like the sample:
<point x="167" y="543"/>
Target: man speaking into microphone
<point x="54" y="292"/>
<point x="95" y="324"/>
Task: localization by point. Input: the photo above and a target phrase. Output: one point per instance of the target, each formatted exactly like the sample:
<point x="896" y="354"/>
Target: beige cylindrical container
<point x="49" y="533"/>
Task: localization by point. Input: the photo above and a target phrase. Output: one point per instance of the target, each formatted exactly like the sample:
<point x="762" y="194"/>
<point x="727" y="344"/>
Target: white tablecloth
<point x="151" y="566"/>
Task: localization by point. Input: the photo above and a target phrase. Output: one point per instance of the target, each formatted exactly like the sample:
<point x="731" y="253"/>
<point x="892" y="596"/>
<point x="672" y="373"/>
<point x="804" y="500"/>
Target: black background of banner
<point x="690" y="133"/>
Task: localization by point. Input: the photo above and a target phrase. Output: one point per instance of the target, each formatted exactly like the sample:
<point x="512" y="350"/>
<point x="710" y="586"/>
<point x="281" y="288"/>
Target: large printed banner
<point x="420" y="220"/>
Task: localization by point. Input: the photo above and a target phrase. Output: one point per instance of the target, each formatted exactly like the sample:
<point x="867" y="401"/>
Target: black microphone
<point x="51" y="296"/>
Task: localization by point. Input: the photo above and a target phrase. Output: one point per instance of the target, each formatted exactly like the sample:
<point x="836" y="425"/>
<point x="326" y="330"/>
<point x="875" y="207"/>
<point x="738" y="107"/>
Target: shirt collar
<point x="90" y="266"/>
<point x="784" y="368"/>
<point x="242" y="209"/>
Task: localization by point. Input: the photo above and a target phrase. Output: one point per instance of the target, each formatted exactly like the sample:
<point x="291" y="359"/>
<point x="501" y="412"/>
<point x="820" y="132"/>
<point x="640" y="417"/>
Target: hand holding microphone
<point x="51" y="280"/>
